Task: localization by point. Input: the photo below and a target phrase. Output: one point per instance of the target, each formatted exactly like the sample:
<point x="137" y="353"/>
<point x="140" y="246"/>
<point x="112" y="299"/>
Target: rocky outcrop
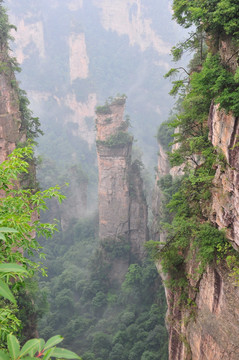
<point x="163" y="168"/>
<point x="208" y="328"/>
<point x="214" y="332"/>
<point x="114" y="159"/>
<point x="122" y="204"/>
<point x="224" y="135"/>
<point x="10" y="116"/>
<point x="138" y="212"/>
<point x="228" y="50"/>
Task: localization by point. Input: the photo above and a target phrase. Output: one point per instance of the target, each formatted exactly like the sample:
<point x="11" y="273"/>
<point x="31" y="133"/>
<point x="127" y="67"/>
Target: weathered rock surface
<point x="122" y="204"/>
<point x="228" y="52"/>
<point x="163" y="168"/>
<point x="114" y="166"/>
<point x="10" y="117"/>
<point x="138" y="213"/>
<point x="224" y="134"/>
<point x="208" y="329"/>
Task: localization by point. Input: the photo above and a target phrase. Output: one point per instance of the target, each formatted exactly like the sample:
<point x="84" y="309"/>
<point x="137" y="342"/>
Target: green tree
<point x="19" y="219"/>
<point x="216" y="16"/>
<point x="5" y="28"/>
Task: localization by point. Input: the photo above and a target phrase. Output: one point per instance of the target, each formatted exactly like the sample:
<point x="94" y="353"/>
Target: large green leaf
<point x="38" y="348"/>
<point x="29" y="346"/>
<point x="54" y="340"/>
<point x="6" y="292"/>
<point x="12" y="268"/>
<point x="13" y="346"/>
<point x="48" y="354"/>
<point x="64" y="354"/>
<point x="4" y="356"/>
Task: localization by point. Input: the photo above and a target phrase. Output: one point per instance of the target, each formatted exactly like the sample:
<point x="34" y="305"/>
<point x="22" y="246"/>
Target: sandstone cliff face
<point x="224" y="134"/>
<point x="114" y="166"/>
<point x="163" y="168"/>
<point x="122" y="205"/>
<point x="10" y="117"/>
<point x="210" y="329"/>
<point x="138" y="213"/>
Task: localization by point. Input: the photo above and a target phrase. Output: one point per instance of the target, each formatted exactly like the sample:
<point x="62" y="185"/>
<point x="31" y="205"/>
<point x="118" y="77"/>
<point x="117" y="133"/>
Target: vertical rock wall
<point x="122" y="204"/>
<point x="10" y="117"/>
<point x="208" y="328"/>
<point x="114" y="165"/>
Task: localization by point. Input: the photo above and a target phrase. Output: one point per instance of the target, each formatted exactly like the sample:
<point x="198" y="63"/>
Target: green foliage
<point x="232" y="261"/>
<point x="5" y="29"/>
<point x="215" y="16"/>
<point x="32" y="305"/>
<point x="177" y="85"/>
<point x="104" y="318"/>
<point x="189" y="235"/>
<point x="119" y="99"/>
<point x="19" y="214"/>
<point x="187" y="201"/>
<point x="35" y="348"/>
<point x="9" y="269"/>
<point x="9" y="322"/>
<point x="149" y="355"/>
<point x="217" y="82"/>
<point x="164" y="135"/>
<point x="188" y="231"/>
<point x="9" y="65"/>
<point x="104" y="109"/>
<point x="120" y="138"/>
<point x="194" y="43"/>
<point x="171" y="72"/>
<point x="19" y="208"/>
<point x="116" y="248"/>
<point x="213" y="82"/>
<point x="29" y="123"/>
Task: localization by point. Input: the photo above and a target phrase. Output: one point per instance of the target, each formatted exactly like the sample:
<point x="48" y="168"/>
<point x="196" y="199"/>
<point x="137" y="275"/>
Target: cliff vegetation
<point x="195" y="242"/>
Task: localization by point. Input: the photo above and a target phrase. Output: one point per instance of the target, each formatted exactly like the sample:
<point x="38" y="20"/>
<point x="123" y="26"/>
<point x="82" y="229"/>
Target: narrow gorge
<point x="133" y="273"/>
